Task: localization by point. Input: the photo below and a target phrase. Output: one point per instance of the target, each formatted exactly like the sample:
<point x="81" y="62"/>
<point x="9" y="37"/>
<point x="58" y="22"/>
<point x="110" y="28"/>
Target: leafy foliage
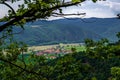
<point x="115" y="71"/>
<point x="100" y="61"/>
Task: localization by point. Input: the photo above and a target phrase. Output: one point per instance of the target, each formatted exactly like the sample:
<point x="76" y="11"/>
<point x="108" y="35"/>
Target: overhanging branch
<point x="61" y="15"/>
<point x="4" y="3"/>
<point x="31" y="13"/>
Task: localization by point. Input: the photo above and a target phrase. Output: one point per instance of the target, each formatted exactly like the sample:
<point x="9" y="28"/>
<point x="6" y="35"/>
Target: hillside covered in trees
<point x="68" y="30"/>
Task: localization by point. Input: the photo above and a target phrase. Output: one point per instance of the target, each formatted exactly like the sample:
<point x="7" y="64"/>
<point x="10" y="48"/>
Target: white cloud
<point x="101" y="9"/>
<point x="3" y="10"/>
<point x="111" y="4"/>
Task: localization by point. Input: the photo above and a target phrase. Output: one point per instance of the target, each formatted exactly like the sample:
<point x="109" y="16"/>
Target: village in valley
<point x="54" y="51"/>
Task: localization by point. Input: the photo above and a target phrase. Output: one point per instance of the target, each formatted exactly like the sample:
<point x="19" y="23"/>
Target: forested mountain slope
<point x="68" y="30"/>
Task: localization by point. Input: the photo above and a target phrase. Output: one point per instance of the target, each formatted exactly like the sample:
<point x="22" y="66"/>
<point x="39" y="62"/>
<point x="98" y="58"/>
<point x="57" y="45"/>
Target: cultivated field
<point x="78" y="46"/>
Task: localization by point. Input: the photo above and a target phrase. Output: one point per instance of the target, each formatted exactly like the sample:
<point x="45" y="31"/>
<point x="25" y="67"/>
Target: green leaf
<point x="94" y="0"/>
<point x="74" y="1"/>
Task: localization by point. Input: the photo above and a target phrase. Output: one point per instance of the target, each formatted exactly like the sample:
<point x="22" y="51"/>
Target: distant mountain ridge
<point x="69" y="30"/>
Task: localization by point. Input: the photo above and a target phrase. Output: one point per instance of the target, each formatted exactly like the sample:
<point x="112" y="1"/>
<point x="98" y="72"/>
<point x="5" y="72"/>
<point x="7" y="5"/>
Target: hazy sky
<point x="101" y="9"/>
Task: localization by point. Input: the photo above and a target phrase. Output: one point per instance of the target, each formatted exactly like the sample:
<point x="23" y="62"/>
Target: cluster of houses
<point x="55" y="51"/>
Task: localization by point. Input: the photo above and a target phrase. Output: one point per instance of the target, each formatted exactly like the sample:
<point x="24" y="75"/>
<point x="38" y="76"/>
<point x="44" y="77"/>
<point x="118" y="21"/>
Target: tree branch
<point x="23" y="69"/>
<point x="31" y="13"/>
<point x="13" y="11"/>
<point x="60" y="15"/>
<point x="9" y="7"/>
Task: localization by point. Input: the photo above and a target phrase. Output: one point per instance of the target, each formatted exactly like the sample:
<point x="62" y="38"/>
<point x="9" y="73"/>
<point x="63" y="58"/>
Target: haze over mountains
<point x="69" y="30"/>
